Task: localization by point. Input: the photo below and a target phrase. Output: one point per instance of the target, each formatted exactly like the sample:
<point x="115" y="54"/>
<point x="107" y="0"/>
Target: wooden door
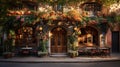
<point x="59" y="41"/>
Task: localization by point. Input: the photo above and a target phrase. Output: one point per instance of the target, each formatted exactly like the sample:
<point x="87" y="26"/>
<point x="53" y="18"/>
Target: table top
<point x="90" y="48"/>
<point x="103" y="48"/>
<point x="29" y="48"/>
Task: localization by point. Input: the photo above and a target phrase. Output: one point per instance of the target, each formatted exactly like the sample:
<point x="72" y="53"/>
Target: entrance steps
<point x="59" y="55"/>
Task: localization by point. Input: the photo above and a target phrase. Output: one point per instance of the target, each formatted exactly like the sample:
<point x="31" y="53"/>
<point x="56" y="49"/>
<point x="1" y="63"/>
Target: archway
<point x="58" y="40"/>
<point x="88" y="35"/>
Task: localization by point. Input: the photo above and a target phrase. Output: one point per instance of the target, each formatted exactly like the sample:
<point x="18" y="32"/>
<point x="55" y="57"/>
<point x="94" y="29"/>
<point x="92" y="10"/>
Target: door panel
<point x="115" y="41"/>
<point x="59" y="41"/>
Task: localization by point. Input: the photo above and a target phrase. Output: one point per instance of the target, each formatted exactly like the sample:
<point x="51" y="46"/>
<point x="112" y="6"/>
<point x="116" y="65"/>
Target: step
<point x="58" y="55"/>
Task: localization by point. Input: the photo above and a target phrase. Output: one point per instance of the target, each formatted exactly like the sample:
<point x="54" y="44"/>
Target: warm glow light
<point x="40" y="28"/>
<point x="101" y="35"/>
<point x="50" y="34"/>
<point x="79" y="38"/>
<point x="75" y="28"/>
<point x="89" y="35"/>
<point x="20" y="36"/>
<point x="79" y="32"/>
<point x="41" y="9"/>
<point x="25" y="30"/>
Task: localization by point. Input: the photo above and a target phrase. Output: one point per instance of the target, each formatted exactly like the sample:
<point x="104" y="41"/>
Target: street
<point x="93" y="64"/>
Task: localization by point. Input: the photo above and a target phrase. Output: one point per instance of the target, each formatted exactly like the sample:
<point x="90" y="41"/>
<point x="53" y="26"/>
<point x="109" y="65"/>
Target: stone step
<point x="58" y="55"/>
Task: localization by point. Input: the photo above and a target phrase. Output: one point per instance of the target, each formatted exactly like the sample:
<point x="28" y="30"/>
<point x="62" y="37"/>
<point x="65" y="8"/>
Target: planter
<point x="42" y="54"/>
<point x="7" y="55"/>
<point x="73" y="54"/>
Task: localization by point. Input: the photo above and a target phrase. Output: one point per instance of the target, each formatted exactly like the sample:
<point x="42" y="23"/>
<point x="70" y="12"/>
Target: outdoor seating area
<point x="25" y="51"/>
<point x="83" y="51"/>
<point x="94" y="51"/>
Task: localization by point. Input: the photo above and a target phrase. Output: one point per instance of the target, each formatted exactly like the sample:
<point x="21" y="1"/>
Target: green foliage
<point x="8" y="45"/>
<point x="117" y="18"/>
<point x="42" y="49"/>
<point x="28" y="19"/>
<point x="4" y="6"/>
<point x="109" y="2"/>
<point x="42" y="46"/>
<point x="63" y="2"/>
<point x="1" y="50"/>
<point x="71" y="39"/>
<point x="3" y="12"/>
<point x="9" y="25"/>
<point x="73" y="42"/>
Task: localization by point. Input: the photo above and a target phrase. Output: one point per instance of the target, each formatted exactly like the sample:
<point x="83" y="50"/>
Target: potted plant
<point x="7" y="49"/>
<point x="73" y="54"/>
<point x="42" y="51"/>
<point x="7" y="26"/>
<point x="9" y="44"/>
<point x="73" y="48"/>
<point x="7" y="55"/>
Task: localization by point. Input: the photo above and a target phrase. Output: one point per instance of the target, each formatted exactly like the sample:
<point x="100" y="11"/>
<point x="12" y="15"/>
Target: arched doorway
<point x="58" y="40"/>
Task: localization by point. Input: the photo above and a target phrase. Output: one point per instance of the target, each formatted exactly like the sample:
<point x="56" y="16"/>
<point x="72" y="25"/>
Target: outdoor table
<point x="104" y="51"/>
<point x="90" y="51"/>
<point x="26" y="50"/>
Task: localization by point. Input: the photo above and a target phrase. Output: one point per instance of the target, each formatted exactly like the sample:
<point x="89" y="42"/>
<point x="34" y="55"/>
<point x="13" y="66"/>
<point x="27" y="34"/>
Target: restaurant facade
<point x="86" y="29"/>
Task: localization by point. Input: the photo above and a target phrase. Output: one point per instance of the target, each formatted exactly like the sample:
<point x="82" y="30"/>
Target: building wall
<point x="119" y="37"/>
<point x="119" y="41"/>
<point x="109" y="38"/>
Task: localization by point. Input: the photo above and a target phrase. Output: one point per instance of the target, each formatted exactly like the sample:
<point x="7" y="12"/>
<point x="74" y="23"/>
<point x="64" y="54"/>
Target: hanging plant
<point x="117" y="18"/>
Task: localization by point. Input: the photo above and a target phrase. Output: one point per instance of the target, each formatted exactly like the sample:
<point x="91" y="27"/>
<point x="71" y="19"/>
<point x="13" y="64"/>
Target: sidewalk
<point x="113" y="57"/>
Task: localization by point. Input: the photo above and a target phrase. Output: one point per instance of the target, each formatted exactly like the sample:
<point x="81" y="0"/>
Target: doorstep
<point x="58" y="55"/>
